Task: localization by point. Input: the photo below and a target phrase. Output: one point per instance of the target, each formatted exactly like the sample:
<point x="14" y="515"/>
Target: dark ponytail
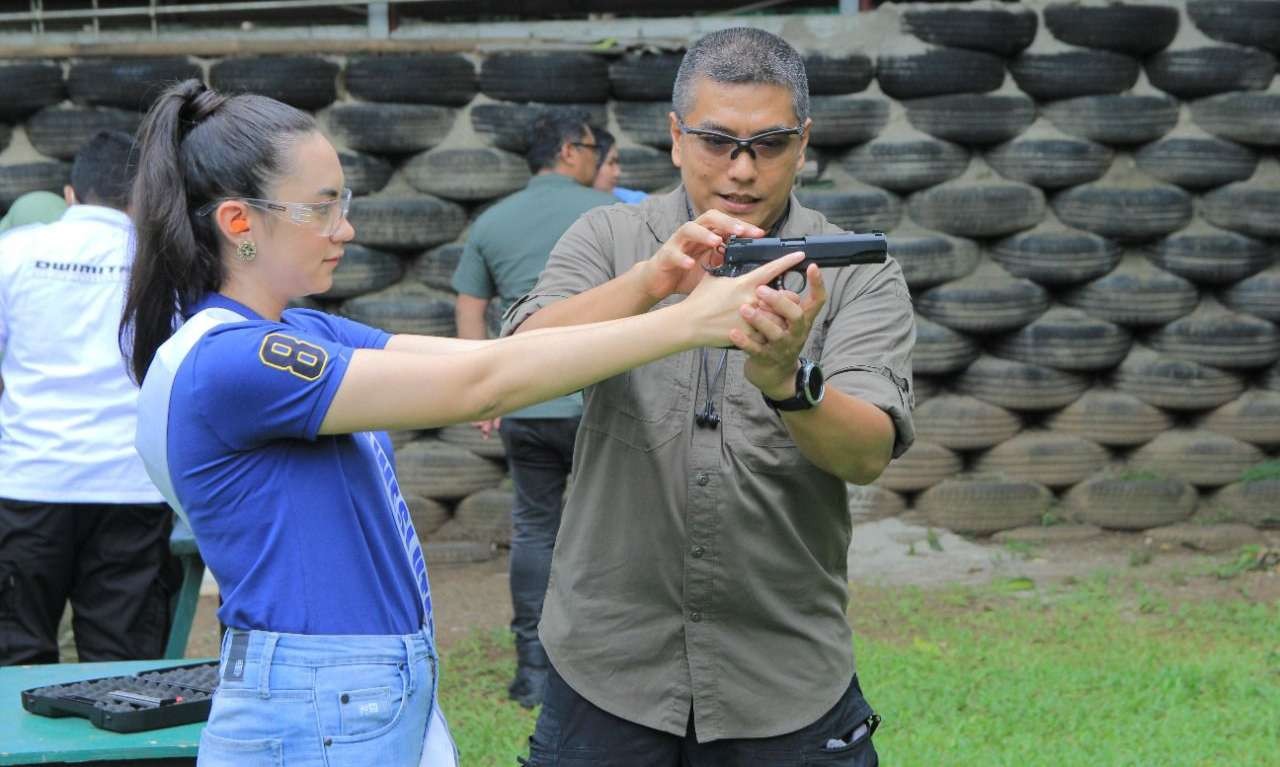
<point x="195" y="146"/>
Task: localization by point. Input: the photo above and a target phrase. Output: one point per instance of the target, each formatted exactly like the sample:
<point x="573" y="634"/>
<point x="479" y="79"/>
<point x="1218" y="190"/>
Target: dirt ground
<point x="474" y="596"/>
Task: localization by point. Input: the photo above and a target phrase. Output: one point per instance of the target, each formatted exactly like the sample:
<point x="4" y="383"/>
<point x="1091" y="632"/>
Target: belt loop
<point x="269" y="639"/>
<point x="408" y="659"/>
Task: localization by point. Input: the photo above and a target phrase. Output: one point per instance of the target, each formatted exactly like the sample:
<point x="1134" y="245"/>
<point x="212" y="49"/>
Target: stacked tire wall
<point x="1084" y="196"/>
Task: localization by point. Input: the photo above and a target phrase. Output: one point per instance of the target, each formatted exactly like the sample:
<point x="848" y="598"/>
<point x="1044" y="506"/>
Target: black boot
<point x="530" y="681"/>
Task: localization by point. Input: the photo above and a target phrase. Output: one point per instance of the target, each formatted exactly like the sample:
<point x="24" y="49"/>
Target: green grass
<point x="1101" y="672"/>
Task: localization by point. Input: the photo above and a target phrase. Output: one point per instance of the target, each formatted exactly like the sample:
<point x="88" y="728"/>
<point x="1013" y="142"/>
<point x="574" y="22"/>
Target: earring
<point x="246" y="251"/>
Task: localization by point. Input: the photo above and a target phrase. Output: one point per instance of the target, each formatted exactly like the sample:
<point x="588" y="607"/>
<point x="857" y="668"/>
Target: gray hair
<point x="742" y="55"/>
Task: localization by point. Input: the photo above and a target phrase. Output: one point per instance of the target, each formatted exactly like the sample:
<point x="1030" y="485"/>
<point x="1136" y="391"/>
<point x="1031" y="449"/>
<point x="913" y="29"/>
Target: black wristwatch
<point x="810" y="386"/>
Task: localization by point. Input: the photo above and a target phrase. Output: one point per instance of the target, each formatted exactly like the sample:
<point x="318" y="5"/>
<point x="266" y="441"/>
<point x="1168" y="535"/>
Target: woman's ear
<point x="232" y="217"/>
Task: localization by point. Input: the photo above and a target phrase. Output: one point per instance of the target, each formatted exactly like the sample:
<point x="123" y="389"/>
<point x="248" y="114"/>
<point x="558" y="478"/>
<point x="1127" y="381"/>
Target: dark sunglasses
<point x="769" y="145"/>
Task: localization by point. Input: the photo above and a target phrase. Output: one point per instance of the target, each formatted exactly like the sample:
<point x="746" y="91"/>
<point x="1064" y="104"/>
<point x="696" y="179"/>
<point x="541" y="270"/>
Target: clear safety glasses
<point x="323" y="218"/>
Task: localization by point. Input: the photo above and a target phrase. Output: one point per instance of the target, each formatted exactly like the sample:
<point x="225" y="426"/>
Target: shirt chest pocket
<point x="646" y="407"/>
<point x="756" y="434"/>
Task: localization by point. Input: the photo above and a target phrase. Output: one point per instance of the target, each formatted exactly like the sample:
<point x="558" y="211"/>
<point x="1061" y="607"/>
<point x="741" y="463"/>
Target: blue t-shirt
<point x="298" y="529"/>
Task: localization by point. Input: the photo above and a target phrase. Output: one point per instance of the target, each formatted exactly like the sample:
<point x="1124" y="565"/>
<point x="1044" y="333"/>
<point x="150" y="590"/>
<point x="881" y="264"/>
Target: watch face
<point x="814" y="383"/>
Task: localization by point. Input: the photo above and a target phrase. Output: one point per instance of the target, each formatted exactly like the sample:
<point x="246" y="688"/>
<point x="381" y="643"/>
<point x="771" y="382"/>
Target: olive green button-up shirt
<point x="707" y="567"/>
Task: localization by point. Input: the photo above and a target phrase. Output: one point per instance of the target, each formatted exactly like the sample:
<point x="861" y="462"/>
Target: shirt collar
<point x="219" y="301"/>
<point x="83" y="212"/>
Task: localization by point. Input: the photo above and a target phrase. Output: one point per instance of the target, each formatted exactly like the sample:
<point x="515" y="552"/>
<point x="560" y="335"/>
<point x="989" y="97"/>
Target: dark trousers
<point x="540" y="456"/>
<point x="111" y="560"/>
<point x="572" y="732"/>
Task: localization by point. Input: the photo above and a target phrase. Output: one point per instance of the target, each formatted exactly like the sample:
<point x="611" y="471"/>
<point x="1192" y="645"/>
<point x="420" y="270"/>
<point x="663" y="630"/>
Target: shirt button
<point x="698" y="551"/>
<point x="695" y="616"/>
<point x="703" y="479"/>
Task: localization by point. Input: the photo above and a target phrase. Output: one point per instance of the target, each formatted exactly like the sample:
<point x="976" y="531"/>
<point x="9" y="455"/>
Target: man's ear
<point x="804" y="144"/>
<point x="674" y="127"/>
<point x="69" y="195"/>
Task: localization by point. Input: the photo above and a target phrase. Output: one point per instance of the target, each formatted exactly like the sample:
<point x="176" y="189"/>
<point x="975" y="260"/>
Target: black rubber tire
<point x="1271" y="379"/>
<point x="488" y="508"/>
<point x="1135" y="293"/>
<point x="363" y="270"/>
<point x="467" y="174"/>
<point x="937" y="72"/>
<point x="1258" y="295"/>
<point x="1193" y="73"/>
<point x="977" y="119"/>
<point x="1066" y="339"/>
<point x="1050" y="159"/>
<point x="1020" y="386"/>
<point x="1056" y="75"/>
<point x="306" y="82"/>
<point x="61" y="132"/>
<point x="1253" y="417"/>
<point x="506" y="126"/>
<point x="1196" y="161"/>
<point x="1124" y="212"/>
<point x="6" y="133"/>
<point x="1115" y="119"/>
<point x="434" y="469"/>
<point x="29" y="87"/>
<point x="1214" y="335"/>
<point x="1201" y="457"/>
<point x="428" y="516"/>
<point x="554" y="77"/>
<point x="978" y="205"/>
<point x="1207" y="255"/>
<point x="961" y="422"/>
<point x="390" y="128"/>
<point x="440" y="553"/>
<point x="19" y="178"/>
<point x="922" y="466"/>
<point x="904" y="160"/>
<point x="364" y="173"/>
<point x="839" y="121"/>
<point x="1053" y="459"/>
<point x="831" y="75"/>
<point x="1054" y="254"/>
<point x="1003" y="30"/>
<point x="984" y="504"/>
<point x="1132" y="28"/>
<point x="468" y="436"/>
<point x="925" y="388"/>
<point x="1175" y="384"/>
<point x="448" y="79"/>
<point x="1248" y="207"/>
<point x="869" y="503"/>
<point x="128" y="83"/>
<point x="931" y="258"/>
<point x="1112" y="418"/>
<point x="1255" y="503"/>
<point x="646" y="122"/>
<point x="1247" y="22"/>
<point x="646" y="169"/>
<point x="406" y="307"/>
<point x="1249" y="117"/>
<point x="988" y="300"/>
<point x="435" y="268"/>
<point x="854" y="207"/>
<point x="1127" y="501"/>
<point x="406" y="223"/>
<point x="940" y="350"/>
<point x="645" y="76"/>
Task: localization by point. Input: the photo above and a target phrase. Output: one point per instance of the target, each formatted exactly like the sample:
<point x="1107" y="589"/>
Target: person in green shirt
<point x="33" y="208"/>
<point x="506" y="250"/>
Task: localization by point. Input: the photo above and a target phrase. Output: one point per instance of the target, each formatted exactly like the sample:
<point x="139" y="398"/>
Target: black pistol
<point x="742" y="254"/>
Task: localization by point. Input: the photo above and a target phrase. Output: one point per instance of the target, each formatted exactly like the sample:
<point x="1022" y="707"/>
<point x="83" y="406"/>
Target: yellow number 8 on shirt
<point x="305" y="360"/>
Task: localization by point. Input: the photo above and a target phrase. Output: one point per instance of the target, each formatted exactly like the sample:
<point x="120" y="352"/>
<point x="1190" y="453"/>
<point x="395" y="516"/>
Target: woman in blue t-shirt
<point x="264" y="427"/>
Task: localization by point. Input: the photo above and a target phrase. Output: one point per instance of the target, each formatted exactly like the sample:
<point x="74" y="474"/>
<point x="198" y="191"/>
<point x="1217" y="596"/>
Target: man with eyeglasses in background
<point x="506" y="249"/>
<point x="697" y="608"/>
<point x="79" y="518"/>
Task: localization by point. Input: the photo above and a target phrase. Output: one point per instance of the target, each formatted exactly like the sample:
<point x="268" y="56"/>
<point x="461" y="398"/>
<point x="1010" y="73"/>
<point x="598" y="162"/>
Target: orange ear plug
<point x="239" y="226"/>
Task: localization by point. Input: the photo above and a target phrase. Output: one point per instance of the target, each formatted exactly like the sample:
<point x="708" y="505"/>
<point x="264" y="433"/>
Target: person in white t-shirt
<point x="79" y="518"/>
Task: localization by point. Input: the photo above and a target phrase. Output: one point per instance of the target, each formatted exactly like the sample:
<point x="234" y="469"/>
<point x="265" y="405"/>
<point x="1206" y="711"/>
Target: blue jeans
<point x="320" y="700"/>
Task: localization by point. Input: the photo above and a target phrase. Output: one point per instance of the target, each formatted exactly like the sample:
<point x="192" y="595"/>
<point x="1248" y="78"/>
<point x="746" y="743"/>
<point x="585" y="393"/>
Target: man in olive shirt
<point x="696" y="612"/>
<point x="506" y="250"/>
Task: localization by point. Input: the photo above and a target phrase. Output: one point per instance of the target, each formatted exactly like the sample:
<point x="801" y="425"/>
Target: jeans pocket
<point x="849" y="749"/>
<point x="360" y="702"/>
<point x="219" y="751"/>
<point x="362" y="711"/>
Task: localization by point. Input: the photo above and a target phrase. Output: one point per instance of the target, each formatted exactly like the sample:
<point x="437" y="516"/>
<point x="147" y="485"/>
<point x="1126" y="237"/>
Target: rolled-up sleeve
<point x="582" y="259"/>
<point x="871" y="333"/>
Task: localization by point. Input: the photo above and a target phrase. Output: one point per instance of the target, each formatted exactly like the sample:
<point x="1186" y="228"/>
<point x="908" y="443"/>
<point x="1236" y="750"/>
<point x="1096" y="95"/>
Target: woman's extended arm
<point x="415" y="344"/>
<point x="392" y="389"/>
